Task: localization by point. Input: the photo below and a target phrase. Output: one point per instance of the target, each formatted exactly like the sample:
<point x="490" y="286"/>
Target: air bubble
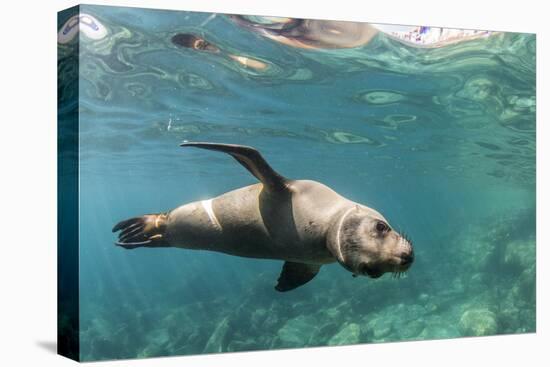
<point x="381" y="97"/>
<point x="399" y="119"/>
<point x="341" y="137"/>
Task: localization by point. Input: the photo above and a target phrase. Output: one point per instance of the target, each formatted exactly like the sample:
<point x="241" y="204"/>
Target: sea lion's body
<point x="288" y="226"/>
<point x="302" y="222"/>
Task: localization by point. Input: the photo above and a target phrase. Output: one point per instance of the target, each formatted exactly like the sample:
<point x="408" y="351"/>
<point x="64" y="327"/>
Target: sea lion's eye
<point x="382" y="227"/>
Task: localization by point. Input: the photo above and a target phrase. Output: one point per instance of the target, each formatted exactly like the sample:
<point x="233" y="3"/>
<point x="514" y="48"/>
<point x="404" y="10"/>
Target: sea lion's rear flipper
<point x="294" y="275"/>
<point x="145" y="231"/>
<point x="251" y="159"/>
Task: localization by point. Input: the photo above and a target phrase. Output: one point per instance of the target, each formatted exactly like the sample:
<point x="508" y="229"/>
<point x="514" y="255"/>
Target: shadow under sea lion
<point x="302" y="222"/>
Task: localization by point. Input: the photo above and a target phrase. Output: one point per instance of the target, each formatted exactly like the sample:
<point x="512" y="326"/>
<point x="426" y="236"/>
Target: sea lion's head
<point x="194" y="42"/>
<point x="363" y="242"/>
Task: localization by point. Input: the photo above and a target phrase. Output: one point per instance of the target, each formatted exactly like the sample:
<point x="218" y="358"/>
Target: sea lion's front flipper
<point x="251" y="159"/>
<point x="294" y="275"/>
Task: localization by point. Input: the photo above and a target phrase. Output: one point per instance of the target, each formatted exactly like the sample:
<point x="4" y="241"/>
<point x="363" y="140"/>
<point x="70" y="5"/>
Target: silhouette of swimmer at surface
<point x="195" y="42"/>
<point x="330" y="34"/>
<point x="309" y="33"/>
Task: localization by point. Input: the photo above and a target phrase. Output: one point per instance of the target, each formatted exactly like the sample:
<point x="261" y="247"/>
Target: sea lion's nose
<point x="407" y="257"/>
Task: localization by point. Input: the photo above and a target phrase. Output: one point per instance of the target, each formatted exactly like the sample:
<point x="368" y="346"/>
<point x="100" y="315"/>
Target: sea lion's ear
<point x="294" y="275"/>
<point x="251" y="159"/>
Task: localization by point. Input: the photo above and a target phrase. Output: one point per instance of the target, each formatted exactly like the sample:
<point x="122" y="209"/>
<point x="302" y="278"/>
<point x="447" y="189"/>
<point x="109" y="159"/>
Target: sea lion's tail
<point x="145" y="231"/>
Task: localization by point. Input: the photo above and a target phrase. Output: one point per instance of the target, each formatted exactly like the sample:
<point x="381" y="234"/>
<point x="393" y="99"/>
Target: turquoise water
<point x="441" y="141"/>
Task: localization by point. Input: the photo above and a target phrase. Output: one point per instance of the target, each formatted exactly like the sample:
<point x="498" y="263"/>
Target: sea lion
<point x="194" y="42"/>
<point x="302" y="222"/>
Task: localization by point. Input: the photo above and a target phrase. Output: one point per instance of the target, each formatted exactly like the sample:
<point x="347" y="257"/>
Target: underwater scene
<point x="434" y="129"/>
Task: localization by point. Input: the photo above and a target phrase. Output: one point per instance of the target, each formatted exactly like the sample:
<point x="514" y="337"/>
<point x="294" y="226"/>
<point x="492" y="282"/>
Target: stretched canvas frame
<point x="94" y="50"/>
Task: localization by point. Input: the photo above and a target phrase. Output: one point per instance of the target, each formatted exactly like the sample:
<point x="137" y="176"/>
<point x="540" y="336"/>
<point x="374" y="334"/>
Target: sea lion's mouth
<point x="372" y="273"/>
<point x="407" y="260"/>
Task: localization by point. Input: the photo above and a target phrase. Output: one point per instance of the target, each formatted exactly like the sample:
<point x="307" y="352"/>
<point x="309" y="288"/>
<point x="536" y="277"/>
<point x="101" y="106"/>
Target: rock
<point x="509" y="319"/>
<point x="159" y="336"/>
<point x="478" y="322"/>
<point x="438" y="330"/>
<point x="271" y="320"/>
<point x="258" y="316"/>
<point x="423" y="298"/>
<point x="379" y="328"/>
<point x="476" y="283"/>
<point x="216" y="342"/>
<point x="431" y="307"/>
<point x="333" y="313"/>
<point x="410" y="330"/>
<point x="527" y="285"/>
<point x="349" y="334"/>
<point x="519" y="255"/>
<point x="243" y="345"/>
<point x="411" y="312"/>
<point x="296" y="332"/>
<point x="106" y="349"/>
<point x="323" y="334"/>
<point x="153" y="350"/>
